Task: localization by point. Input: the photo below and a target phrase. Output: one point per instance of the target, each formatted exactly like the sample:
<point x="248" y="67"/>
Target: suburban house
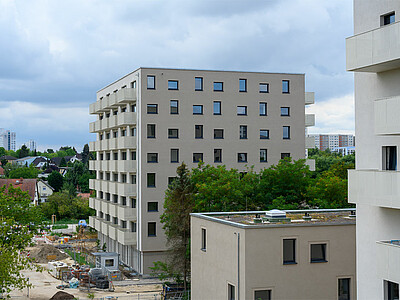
<point x="9" y="158"/>
<point x="38" y="190"/>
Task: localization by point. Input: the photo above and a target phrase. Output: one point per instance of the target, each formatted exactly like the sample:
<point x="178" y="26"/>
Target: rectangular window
<point x="218" y="86"/>
<point x="218" y="133"/>
<point x="123" y="179"/>
<point x="151" y="179"/>
<point x="285" y="111"/>
<point x="263" y="155"/>
<point x="174" y="155"/>
<point x="124" y="155"/>
<point x="115" y="177"/>
<point x="242" y="110"/>
<point x="173" y="84"/>
<point x="133" y="131"/>
<point x="203" y="239"/>
<point x="133" y="108"/>
<point x="151" y="229"/>
<point x="198" y="83"/>
<point x="198" y="131"/>
<point x="133" y="202"/>
<point x="263" y="108"/>
<point x="115" y="156"/>
<point x="123" y="200"/>
<point x="151" y="82"/>
<point x="391" y="290"/>
<point x="115" y="134"/>
<point x="285" y="86"/>
<point x="173" y="133"/>
<point x="284" y="155"/>
<point x="389" y="158"/>
<point x="133" y="155"/>
<point x="242" y="85"/>
<point x="217" y="155"/>
<point x="217" y="107"/>
<point x="289" y="251"/>
<point x="264" y="134"/>
<point x="152" y="157"/>
<point x="173" y="107"/>
<point x="264" y="88"/>
<point x="133" y="85"/>
<point x="231" y="292"/>
<point x="133" y="226"/>
<point x="152" y="109"/>
<point x="286" y="132"/>
<point x="242" y="157"/>
<point x="243" y="132"/>
<point x="115" y="198"/>
<point x="262" y="295"/>
<point x="318" y="253"/>
<point x="197" y="109"/>
<point x="123" y="224"/>
<point x="152" y="206"/>
<point x="388" y="19"/>
<point x="108" y="156"/>
<point x="115" y="220"/>
<point x="133" y="179"/>
<point x="344" y="289"/>
<point x="151" y="131"/>
<point x="197" y="157"/>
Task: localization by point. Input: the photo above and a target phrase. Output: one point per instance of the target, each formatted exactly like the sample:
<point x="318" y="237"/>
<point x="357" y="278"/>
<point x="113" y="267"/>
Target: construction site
<point x="75" y="266"/>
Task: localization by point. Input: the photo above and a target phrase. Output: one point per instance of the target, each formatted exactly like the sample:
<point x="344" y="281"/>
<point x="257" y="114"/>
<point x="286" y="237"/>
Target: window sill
<point x="151" y="187"/>
<point x="290" y="263"/>
<point x="152" y="162"/>
<point x="318" y="261"/>
<point x="217" y="91"/>
<point x="263" y="92"/>
<point x="151" y="235"/>
<point x="242" y="162"/>
<point x="203" y="249"/>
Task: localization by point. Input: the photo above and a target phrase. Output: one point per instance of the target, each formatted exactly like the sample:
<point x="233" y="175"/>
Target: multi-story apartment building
<point x="306" y="254"/>
<point x="7" y="139"/>
<point x="31" y="145"/>
<point x="152" y="120"/>
<point x="332" y="141"/>
<point x="373" y="53"/>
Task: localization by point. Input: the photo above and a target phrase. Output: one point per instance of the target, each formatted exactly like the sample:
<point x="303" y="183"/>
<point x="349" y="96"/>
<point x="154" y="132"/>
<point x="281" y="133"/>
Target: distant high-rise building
<point x="31" y="145"/>
<point x="333" y="141"/>
<point x="7" y="139"/>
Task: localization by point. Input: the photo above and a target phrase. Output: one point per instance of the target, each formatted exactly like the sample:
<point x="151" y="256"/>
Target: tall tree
<point x="63" y="162"/>
<point x="56" y="180"/>
<point x="23" y="152"/>
<point x="85" y="153"/>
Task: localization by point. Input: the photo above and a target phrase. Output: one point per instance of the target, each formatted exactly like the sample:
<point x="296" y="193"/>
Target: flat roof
<point x="259" y="219"/>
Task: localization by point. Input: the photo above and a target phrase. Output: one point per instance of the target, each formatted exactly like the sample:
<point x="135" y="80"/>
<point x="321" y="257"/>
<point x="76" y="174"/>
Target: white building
<point x="332" y="141"/>
<point x="7" y="139"/>
<point x="31" y="145"/>
<point x="373" y="53"/>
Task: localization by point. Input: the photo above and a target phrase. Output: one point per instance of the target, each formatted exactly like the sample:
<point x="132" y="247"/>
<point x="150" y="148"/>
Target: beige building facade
<point x="234" y="257"/>
<point x="152" y="120"/>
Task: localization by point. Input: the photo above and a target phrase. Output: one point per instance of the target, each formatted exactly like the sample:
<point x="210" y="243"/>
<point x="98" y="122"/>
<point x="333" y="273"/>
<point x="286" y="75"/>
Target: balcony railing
<point x="387" y="256"/>
<point x="309" y="98"/>
<point x="387" y="113"/>
<point x="310" y="120"/>
<point x="122" y="97"/>
<point x="126" y="237"/>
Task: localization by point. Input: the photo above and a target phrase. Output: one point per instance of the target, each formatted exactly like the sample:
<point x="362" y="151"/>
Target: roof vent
<point x="276" y="215"/>
<point x="306" y="216"/>
<point x="352" y="214"/>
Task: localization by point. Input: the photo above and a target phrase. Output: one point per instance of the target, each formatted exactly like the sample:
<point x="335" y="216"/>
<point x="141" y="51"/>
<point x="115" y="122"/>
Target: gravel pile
<point x="41" y="252"/>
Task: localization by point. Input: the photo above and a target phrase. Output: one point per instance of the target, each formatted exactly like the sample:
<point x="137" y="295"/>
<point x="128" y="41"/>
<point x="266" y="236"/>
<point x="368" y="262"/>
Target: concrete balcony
<point x="112" y="209"/>
<point x="374" y="51"/>
<point x="113" y="144"/>
<point x="310" y="142"/>
<point x="122" y="97"/>
<point x="94" y="165"/>
<point x="91" y="221"/>
<point x="127" y="142"/>
<point x="91" y="184"/>
<point x="126" y="213"/>
<point x="388" y="260"/>
<point x="112" y="100"/>
<point x="104" y="105"/>
<point x="112" y="231"/>
<point x="104" y="227"/>
<point x="374" y="187"/>
<point x="310" y="120"/>
<point x="99" y="145"/>
<point x="95" y="222"/>
<point x="126" y="166"/>
<point x="91" y="202"/>
<point x="126" y="237"/>
<point x="127" y="189"/>
<point x="126" y="95"/>
<point x="387" y="113"/>
<point x="94" y="108"/>
<point x="309" y="98"/>
<point x="311" y="164"/>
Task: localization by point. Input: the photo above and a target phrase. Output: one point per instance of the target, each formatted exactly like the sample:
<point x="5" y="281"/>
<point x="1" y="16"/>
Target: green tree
<point x="179" y="203"/>
<point x="85" y="154"/>
<point x="56" y="180"/>
<point x="2" y="151"/>
<point x="24" y="172"/>
<point x="63" y="162"/>
<point x="23" y="152"/>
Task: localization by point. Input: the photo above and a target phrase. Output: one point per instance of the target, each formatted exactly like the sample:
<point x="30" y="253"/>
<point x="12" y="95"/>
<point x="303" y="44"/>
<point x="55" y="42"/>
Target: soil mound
<point x="62" y="296"/>
<point x="41" y="252"/>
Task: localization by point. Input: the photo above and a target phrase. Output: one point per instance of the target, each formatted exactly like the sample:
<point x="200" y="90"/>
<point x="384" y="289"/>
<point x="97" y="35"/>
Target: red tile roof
<point x="1" y="171"/>
<point x="27" y="185"/>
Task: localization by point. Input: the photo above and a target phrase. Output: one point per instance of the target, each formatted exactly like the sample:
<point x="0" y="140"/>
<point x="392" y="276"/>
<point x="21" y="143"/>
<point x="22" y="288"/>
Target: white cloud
<point x="335" y="115"/>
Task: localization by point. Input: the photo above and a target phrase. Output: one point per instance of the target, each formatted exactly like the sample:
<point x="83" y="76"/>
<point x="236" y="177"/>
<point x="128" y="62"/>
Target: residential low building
<point x="306" y="254"/>
<point x="38" y="190"/>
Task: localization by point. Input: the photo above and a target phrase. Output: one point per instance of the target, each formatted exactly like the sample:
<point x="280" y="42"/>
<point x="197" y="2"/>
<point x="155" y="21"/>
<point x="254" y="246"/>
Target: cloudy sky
<point x="55" y="55"/>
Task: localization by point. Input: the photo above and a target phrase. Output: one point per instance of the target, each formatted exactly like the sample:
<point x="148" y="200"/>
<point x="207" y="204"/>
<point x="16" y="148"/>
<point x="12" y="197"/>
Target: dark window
<point x="263" y="155"/>
<point x="133" y="155"/>
<point x="115" y="134"/>
<point x="285" y="111"/>
<point x="218" y="133"/>
<point x="242" y="157"/>
<point x="133" y="107"/>
<point x="151" y="179"/>
<point x="124" y="155"/>
<point x="242" y="110"/>
<point x="123" y="224"/>
<point x="391" y="290"/>
<point x="286" y="132"/>
<point x="133" y="85"/>
<point x="133" y="226"/>
<point x="173" y="107"/>
<point x="151" y="229"/>
<point x="197" y="157"/>
<point x="133" y="179"/>
<point x="123" y="109"/>
<point x="263" y="108"/>
<point x="318" y="253"/>
<point x="152" y="206"/>
<point x="108" y="155"/>
<point x="151" y="131"/>
<point x="152" y="157"/>
<point x="133" y="131"/>
<point x="217" y="107"/>
<point x="115" y="198"/>
<point x="217" y="155"/>
<point x="289" y="251"/>
<point x="262" y="295"/>
<point x="344" y="289"/>
<point x="197" y="109"/>
<point x="107" y="217"/>
<point x="243" y="132"/>
<point x="198" y="83"/>
<point x="231" y="292"/>
<point x="264" y="88"/>
<point x="388" y="19"/>
<point x="264" y="134"/>
<point x="173" y="84"/>
<point x="151" y="82"/>
<point x="203" y="239"/>
<point x="152" y="108"/>
<point x="174" y="155"/>
<point x="389" y="158"/>
<point x="284" y="155"/>
<point x="285" y="86"/>
<point x="173" y="133"/>
<point x="242" y="85"/>
<point x="109" y="262"/>
<point x="115" y="220"/>
<point x="198" y="131"/>
<point x="115" y="156"/>
<point x="218" y="86"/>
<point x="133" y="202"/>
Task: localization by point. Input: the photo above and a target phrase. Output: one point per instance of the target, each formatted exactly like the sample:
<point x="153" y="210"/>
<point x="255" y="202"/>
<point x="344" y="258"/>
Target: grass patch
<point x="59" y="227"/>
<point x="80" y="259"/>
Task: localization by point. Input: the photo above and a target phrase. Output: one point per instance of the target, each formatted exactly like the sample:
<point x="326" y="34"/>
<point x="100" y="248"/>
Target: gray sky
<point x="55" y="55"/>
